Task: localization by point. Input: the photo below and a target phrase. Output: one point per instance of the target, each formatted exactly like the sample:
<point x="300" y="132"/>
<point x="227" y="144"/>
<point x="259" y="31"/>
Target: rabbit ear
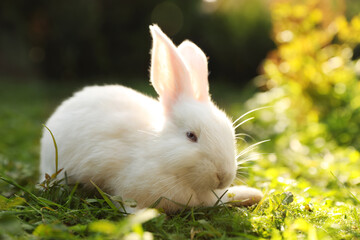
<point x="196" y="62"/>
<point x="169" y="74"/>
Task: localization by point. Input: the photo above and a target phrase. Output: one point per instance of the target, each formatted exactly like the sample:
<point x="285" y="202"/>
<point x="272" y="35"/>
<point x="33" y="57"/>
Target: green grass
<point x="300" y="203"/>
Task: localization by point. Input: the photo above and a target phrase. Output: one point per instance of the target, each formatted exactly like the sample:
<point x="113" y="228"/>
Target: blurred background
<point x="90" y="40"/>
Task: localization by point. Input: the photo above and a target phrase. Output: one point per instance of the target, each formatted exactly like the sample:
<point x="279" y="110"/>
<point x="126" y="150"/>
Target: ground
<point x="303" y="199"/>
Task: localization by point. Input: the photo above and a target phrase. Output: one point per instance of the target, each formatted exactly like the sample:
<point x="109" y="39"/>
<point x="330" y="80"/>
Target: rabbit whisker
<point x="166" y="181"/>
<point x="246" y="120"/>
<point x="177" y="184"/>
<point x="248" y="112"/>
<point x="242" y="172"/>
<point x="247" y="160"/>
<point x="149" y="133"/>
<point x="243" y="167"/>
<point x="240" y="138"/>
<point x="178" y="181"/>
<point x="246" y="135"/>
<point x="250" y="148"/>
<point x="252" y="157"/>
<point x="239" y="179"/>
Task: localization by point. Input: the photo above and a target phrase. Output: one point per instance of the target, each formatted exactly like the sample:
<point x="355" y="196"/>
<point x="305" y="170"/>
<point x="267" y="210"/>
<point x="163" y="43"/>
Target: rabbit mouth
<point x="200" y="186"/>
<point x="215" y="182"/>
<point x="220" y="182"/>
<point x="198" y="180"/>
<point x="223" y="180"/>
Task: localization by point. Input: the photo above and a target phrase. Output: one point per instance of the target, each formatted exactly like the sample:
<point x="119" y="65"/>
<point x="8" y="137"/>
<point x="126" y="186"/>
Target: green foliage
<point x="313" y="87"/>
<point x="312" y="84"/>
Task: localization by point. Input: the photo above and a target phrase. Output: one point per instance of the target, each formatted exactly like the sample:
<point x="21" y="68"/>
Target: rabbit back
<point x="97" y="132"/>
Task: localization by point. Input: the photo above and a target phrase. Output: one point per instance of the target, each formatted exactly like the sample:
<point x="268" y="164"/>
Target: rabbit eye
<point x="191" y="136"/>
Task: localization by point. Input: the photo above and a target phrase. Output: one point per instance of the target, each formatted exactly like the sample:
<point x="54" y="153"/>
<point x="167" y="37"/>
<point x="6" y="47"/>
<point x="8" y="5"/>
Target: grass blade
<point x="107" y="200"/>
<point x="56" y="149"/>
<point x="71" y="195"/>
<point x="340" y="183"/>
<point x="25" y="190"/>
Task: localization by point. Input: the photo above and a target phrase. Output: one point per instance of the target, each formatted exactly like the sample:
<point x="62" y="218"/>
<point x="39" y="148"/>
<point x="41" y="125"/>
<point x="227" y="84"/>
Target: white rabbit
<point x="181" y="147"/>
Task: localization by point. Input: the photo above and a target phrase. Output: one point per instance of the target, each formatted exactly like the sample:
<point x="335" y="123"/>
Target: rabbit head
<point x="198" y="140"/>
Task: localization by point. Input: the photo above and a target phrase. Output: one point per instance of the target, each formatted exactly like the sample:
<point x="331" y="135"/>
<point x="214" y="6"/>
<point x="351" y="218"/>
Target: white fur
<point x="136" y="147"/>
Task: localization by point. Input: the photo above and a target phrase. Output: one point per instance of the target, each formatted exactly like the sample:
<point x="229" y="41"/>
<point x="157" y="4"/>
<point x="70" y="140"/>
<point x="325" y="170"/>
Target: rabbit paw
<point x="242" y="196"/>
